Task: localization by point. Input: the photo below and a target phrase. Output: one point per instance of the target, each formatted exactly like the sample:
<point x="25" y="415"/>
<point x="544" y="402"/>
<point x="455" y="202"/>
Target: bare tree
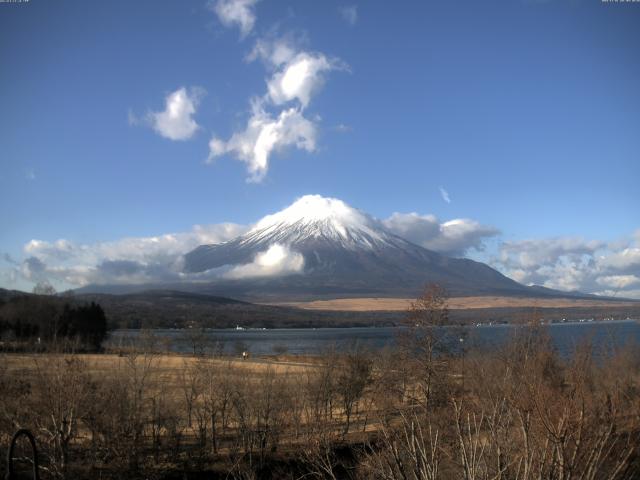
<point x="408" y="449"/>
<point x="426" y="342"/>
<point x="61" y="392"/>
<point x="354" y="375"/>
<point x="43" y="287"/>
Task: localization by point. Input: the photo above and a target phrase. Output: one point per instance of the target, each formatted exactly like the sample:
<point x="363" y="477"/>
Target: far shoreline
<point x="395" y="304"/>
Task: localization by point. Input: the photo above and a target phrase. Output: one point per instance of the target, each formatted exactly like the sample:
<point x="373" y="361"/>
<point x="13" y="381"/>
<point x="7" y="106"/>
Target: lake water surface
<point x="565" y="337"/>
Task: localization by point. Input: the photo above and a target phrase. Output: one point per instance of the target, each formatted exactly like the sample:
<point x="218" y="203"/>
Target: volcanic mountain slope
<point x="321" y="246"/>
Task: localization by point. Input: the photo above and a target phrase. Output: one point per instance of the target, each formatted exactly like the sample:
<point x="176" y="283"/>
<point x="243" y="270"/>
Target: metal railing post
<point x="11" y="475"/>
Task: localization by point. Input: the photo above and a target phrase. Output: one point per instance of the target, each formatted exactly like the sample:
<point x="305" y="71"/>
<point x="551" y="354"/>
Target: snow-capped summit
<point x="317" y="217"/>
<point x="322" y="246"/>
<point x="316" y="208"/>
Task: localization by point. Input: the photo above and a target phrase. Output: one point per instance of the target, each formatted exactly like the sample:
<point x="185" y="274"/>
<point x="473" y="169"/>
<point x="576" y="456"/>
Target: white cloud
<point x="618" y="281"/>
<point x="569" y="263"/>
<point x="276" y="260"/>
<point x="236" y="13"/>
<point x="565" y="275"/>
<point x="176" y="121"/>
<point x="445" y="195"/>
<point x="128" y="260"/>
<point x="635" y="294"/>
<point x="30" y="174"/>
<point x="627" y="259"/>
<point x="349" y="14"/>
<point x="297" y="76"/>
<point x="532" y="253"/>
<point x="273" y="52"/>
<point x="300" y="77"/>
<point x="454" y="237"/>
<point x="265" y="135"/>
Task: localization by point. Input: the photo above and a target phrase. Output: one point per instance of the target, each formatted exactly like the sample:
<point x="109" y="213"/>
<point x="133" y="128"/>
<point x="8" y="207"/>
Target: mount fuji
<point x="319" y="247"/>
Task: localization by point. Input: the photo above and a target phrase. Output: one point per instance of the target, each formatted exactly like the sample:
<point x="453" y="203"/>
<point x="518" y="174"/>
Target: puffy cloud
<point x="265" y="135"/>
<point x="34" y="269"/>
<point x="569" y="263"/>
<point x="275" y="261"/>
<point x="454" y="237"/>
<point x="533" y="253"/>
<point x="58" y="250"/>
<point x="618" y="281"/>
<point x="349" y="14"/>
<point x="176" y="121"/>
<point x="144" y="249"/>
<point x="296" y="77"/>
<point x="236" y="13"/>
<point x="561" y="263"/>
<point x="567" y="275"/>
<point x="625" y="260"/>
<point x="459" y="235"/>
<point x="299" y="78"/>
<point x="635" y="294"/>
<point x="128" y="260"/>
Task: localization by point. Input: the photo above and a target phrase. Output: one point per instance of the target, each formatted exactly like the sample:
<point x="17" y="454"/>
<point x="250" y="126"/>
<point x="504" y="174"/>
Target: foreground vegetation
<point x="420" y="411"/>
<point x="519" y="412"/>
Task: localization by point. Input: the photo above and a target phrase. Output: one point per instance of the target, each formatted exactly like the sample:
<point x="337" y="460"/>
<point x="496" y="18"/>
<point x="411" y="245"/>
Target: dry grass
<point x="455" y="303"/>
<point x="170" y="365"/>
<point x="160" y="413"/>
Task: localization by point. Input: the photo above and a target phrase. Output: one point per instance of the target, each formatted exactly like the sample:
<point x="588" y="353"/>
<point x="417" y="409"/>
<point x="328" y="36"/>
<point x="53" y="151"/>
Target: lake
<point x="565" y="337"/>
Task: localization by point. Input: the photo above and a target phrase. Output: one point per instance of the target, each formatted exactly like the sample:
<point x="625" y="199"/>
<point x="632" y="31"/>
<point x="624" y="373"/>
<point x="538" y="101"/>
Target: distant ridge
<point x="180" y="310"/>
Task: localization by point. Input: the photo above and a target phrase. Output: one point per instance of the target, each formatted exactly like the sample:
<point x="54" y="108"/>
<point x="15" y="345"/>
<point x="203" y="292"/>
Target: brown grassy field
<point x="170" y="365"/>
<point x="454" y="303"/>
<point x="151" y="415"/>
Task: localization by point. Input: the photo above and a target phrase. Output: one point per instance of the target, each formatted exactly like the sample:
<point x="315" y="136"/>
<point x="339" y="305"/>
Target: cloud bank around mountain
<point x="454" y="237"/>
<point x="131" y="260"/>
<point x="276" y="260"/>
<point x="564" y="263"/>
<point x="571" y="263"/>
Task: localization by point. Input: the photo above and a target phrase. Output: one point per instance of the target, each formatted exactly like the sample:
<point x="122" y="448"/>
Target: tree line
<point x="28" y="321"/>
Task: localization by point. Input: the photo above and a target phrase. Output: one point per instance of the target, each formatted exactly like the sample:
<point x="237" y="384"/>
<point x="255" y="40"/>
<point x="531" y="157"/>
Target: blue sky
<point x="526" y="113"/>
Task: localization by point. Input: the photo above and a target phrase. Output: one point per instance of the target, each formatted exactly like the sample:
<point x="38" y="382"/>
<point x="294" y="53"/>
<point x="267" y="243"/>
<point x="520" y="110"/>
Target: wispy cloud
<point x="238" y="13"/>
<point x="342" y="128"/>
<point x="445" y="195"/>
<point x="349" y="14"/>
<point x="30" y="174"/>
